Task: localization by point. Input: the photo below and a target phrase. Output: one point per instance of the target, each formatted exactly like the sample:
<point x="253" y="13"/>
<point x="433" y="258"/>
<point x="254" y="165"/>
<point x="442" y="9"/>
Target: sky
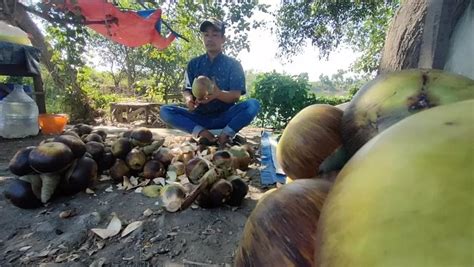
<point x="264" y="47"/>
<point x="262" y="57"/>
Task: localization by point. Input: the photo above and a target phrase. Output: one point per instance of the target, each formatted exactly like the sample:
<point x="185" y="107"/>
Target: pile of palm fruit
<point x="180" y="171"/>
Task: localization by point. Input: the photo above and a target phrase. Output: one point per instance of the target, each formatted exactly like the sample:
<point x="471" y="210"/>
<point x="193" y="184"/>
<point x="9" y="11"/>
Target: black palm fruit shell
<point x="20" y="194"/>
<point x="77" y="146"/>
<point x="100" y="132"/>
<point x="50" y="157"/>
<point x="80" y="176"/>
<point x="93" y="137"/>
<point x="96" y="149"/>
<point x="20" y="164"/>
<point x="106" y="161"/>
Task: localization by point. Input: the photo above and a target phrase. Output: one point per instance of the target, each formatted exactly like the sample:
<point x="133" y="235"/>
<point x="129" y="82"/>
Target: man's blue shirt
<point x="225" y="71"/>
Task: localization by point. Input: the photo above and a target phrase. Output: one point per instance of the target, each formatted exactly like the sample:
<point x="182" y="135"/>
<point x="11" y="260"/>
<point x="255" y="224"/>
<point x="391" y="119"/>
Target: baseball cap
<point x="218" y="24"/>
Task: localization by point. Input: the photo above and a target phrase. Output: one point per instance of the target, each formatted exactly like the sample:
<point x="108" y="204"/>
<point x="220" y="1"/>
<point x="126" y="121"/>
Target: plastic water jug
<point x="18" y="115"/>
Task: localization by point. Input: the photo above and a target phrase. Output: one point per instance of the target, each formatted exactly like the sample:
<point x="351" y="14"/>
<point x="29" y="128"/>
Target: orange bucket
<point x="52" y="123"/>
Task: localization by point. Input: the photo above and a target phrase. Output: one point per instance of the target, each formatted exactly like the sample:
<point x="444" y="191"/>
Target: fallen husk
<point x="152" y="190"/>
<point x="131" y="227"/>
<point x="114" y="227"/>
<point x="172" y="196"/>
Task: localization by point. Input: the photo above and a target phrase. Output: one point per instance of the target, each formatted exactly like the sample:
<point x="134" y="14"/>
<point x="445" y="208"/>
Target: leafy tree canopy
<point x="68" y="40"/>
<point x="282" y="96"/>
<point x="328" y="24"/>
<point x="340" y="83"/>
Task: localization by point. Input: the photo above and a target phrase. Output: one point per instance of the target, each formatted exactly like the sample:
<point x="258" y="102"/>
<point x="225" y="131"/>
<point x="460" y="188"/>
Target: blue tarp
<point x="268" y="173"/>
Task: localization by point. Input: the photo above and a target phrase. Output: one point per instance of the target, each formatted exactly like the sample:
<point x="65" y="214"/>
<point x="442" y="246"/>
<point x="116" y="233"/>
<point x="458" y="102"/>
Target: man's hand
<point x="210" y="97"/>
<point x="189" y="100"/>
<point x="191" y="104"/>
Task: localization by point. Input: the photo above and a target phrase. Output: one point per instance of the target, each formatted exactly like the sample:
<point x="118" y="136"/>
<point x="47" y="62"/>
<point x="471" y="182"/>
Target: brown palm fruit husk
<point x="220" y="192"/>
<point x="155" y="145"/>
<point x="195" y="169"/>
<point x="205" y="183"/>
<point x="281" y="230"/>
<point x="224" y="160"/>
<point x="82" y="129"/>
<point x="136" y="159"/>
<point x="172" y="196"/>
<point x="177" y="167"/>
<point x="119" y="170"/>
<point x="73" y="133"/>
<point x="153" y="169"/>
<point x="121" y="147"/>
<point x="239" y="191"/>
<point x="241" y="157"/>
<point x="141" y="136"/>
<point x="310" y="137"/>
<point x="164" y="155"/>
<point x="50" y="157"/>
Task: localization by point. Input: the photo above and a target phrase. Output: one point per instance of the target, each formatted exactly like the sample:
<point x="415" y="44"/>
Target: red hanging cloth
<point x="124" y="27"/>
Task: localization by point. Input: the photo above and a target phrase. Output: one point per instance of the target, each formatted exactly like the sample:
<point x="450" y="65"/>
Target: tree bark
<point x="419" y="34"/>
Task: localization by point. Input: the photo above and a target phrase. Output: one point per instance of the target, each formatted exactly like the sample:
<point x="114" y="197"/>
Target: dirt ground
<point x="194" y="237"/>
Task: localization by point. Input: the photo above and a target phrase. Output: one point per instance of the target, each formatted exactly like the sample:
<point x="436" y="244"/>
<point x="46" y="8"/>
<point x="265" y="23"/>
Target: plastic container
<point x="12" y="34"/>
<point x="18" y="115"/>
<point x="52" y="123"/>
<point x="7" y="88"/>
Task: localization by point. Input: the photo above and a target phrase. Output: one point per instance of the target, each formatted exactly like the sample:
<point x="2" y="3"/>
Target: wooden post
<point x="39" y="93"/>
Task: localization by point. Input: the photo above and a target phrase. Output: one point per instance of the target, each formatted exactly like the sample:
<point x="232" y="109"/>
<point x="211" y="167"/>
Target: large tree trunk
<point x="419" y="35"/>
<point x="15" y="14"/>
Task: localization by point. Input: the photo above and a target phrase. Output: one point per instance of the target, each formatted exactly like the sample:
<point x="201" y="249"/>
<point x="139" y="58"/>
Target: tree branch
<point x="46" y="16"/>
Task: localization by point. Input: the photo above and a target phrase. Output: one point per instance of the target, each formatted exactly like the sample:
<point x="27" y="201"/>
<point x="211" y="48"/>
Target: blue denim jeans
<point x="230" y="121"/>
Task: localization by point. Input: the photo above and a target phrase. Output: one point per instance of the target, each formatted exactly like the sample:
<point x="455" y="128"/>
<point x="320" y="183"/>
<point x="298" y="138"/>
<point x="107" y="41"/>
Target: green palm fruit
<point x="393" y="96"/>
